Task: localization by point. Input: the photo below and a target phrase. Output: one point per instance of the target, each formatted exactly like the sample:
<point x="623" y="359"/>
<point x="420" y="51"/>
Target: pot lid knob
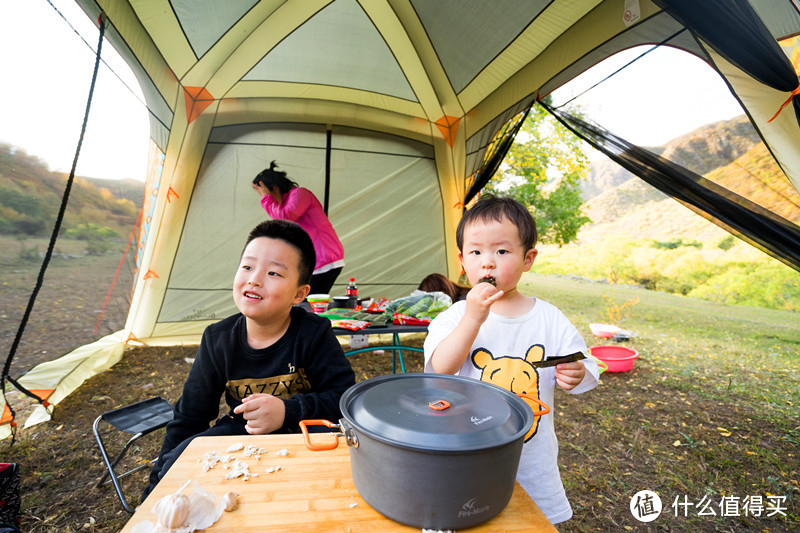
<point x="439" y="405"/>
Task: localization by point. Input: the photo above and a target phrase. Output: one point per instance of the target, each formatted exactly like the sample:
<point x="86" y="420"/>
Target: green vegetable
<point x="437" y="307"/>
<point x="398" y="306"/>
<point x="419" y="307"/>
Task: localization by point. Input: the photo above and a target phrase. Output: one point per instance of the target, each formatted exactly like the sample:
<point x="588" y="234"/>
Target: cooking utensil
<point x="432" y="451"/>
<point x="340" y="302"/>
<point x="553" y="361"/>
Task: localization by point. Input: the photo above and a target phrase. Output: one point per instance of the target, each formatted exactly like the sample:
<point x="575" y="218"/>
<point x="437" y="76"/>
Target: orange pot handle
<point x="318" y="447"/>
<point x="544" y="406"/>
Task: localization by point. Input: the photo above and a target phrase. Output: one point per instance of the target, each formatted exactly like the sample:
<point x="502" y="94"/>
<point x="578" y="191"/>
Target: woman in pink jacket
<point x="283" y="198"/>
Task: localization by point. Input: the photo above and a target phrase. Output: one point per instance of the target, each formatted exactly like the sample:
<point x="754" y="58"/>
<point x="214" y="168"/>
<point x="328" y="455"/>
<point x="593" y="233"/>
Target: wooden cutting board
<point x="312" y="491"/>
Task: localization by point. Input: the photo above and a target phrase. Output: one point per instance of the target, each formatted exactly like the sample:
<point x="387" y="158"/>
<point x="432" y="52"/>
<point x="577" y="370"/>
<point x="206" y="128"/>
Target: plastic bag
<point x="377" y="306"/>
<point x="406" y="320"/>
<point x="419" y="304"/>
<point x="353" y="325"/>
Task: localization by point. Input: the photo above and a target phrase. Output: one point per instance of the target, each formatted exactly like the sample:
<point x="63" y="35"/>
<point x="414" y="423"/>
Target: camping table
<point x="395" y="346"/>
<point x="313" y="491"/>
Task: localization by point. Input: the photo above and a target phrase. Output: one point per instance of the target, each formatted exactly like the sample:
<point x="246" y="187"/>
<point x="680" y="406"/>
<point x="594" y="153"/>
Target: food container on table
<point x="340" y="302"/>
<point x="319" y="302"/>
<point x="617" y="358"/>
<point x="433" y="451"/>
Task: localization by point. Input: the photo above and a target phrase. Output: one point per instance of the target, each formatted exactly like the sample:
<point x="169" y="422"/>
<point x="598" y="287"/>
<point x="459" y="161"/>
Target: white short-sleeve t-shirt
<point x="500" y="355"/>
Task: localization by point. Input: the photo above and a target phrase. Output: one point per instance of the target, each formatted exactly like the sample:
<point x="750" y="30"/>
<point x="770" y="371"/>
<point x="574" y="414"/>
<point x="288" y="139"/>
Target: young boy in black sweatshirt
<point x="275" y="363"/>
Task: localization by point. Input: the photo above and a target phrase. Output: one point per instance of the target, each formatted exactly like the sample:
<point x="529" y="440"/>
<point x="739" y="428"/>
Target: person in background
<point x="437" y="282"/>
<point x="498" y="334"/>
<point x="284" y="199"/>
<point x="274" y="363"/>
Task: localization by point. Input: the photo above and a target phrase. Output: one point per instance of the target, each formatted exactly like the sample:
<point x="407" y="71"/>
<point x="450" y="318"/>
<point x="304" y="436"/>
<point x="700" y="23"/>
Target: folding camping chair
<point x="137" y="419"/>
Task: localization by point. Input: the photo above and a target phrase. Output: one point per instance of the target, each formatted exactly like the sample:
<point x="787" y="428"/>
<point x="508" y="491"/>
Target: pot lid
<point x="436" y="412"/>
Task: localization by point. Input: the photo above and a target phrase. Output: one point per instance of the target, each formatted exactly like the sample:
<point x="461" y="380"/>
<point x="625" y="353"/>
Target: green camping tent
<point x="387" y="110"/>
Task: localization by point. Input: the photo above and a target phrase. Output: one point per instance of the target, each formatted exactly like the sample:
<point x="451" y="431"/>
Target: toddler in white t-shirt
<point x="497" y="333"/>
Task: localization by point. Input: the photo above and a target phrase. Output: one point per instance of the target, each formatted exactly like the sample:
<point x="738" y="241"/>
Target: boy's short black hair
<point x="490" y="207"/>
<point x="291" y="233"/>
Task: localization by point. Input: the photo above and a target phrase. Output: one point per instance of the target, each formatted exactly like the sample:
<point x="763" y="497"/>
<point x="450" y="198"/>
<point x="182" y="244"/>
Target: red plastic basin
<point x="618" y="358"/>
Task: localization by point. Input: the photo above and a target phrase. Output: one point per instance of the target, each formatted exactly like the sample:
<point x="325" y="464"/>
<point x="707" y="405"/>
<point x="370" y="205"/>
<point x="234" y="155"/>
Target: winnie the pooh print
<point x="513" y="374"/>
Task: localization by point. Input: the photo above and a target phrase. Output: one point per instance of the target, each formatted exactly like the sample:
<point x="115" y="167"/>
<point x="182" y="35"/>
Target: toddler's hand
<point x="480" y="299"/>
<point x="264" y="413"/>
<point x="569" y="375"/>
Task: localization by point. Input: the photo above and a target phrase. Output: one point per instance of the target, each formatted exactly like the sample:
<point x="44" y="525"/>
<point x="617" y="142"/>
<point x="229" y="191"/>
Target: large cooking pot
<point x="432" y="451"/>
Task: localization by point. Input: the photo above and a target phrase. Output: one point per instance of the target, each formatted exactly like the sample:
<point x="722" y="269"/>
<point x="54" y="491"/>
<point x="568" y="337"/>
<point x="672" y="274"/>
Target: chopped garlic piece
<point x="275" y="468"/>
<point x="283" y="453"/>
<point x="210" y="460"/>
<point x="253" y="450"/>
<point x="239" y="468"/>
<point x="235" y="447"/>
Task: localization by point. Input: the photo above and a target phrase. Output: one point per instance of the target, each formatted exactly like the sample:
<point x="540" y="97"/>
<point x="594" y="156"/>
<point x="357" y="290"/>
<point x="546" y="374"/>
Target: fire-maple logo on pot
<point x="478" y="421"/>
<point x="471" y="508"/>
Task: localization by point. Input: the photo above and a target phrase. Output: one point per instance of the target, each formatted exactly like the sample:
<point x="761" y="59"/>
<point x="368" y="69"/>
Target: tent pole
<point x="327" y="170"/>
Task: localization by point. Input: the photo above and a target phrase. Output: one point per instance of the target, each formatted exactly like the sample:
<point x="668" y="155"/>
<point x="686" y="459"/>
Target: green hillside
<point x="124" y="189"/>
<point x="30" y="197"/>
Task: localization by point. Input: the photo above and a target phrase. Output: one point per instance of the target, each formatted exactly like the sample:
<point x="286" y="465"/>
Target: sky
<point x="47" y="72"/>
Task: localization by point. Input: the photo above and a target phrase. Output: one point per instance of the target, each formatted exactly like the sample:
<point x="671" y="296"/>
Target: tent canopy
<point x="383" y="108"/>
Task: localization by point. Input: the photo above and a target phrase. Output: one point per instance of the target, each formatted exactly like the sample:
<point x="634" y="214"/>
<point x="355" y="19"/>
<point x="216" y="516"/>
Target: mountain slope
<point x="701" y="150"/>
<point x="728" y="153"/>
<point x="30" y="198"/>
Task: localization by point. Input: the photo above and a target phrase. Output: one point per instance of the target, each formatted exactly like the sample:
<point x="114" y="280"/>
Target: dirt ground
<point x="607" y="454"/>
<point x="614" y="441"/>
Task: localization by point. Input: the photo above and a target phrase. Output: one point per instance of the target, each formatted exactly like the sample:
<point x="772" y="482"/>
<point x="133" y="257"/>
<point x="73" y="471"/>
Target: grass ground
<point x="708" y="415"/>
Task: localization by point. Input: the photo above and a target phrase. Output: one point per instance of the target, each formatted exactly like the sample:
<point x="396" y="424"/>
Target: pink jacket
<point x="301" y="206"/>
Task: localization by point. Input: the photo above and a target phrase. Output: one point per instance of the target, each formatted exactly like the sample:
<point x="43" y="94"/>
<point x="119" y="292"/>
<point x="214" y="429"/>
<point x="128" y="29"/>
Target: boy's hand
<point x="480" y="299"/>
<point x="264" y="413"/>
<point x="569" y="375"/>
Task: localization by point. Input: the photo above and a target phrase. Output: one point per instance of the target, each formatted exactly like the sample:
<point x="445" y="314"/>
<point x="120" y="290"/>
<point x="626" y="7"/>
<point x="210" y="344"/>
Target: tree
<point x="543" y="170"/>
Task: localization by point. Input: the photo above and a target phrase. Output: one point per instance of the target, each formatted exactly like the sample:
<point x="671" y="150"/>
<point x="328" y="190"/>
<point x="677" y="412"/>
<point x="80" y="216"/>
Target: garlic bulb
<point x="230" y="500"/>
<point x="177" y="513"/>
<point x="172" y="511"/>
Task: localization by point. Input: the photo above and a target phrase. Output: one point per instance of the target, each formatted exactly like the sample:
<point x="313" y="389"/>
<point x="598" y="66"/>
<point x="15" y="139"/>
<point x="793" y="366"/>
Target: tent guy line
<point x="42" y="399"/>
<point x="623" y="67"/>
<point x="109" y="67"/>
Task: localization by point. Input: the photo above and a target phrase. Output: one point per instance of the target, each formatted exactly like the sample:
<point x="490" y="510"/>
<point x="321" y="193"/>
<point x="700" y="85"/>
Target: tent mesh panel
<point x="744" y="218"/>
